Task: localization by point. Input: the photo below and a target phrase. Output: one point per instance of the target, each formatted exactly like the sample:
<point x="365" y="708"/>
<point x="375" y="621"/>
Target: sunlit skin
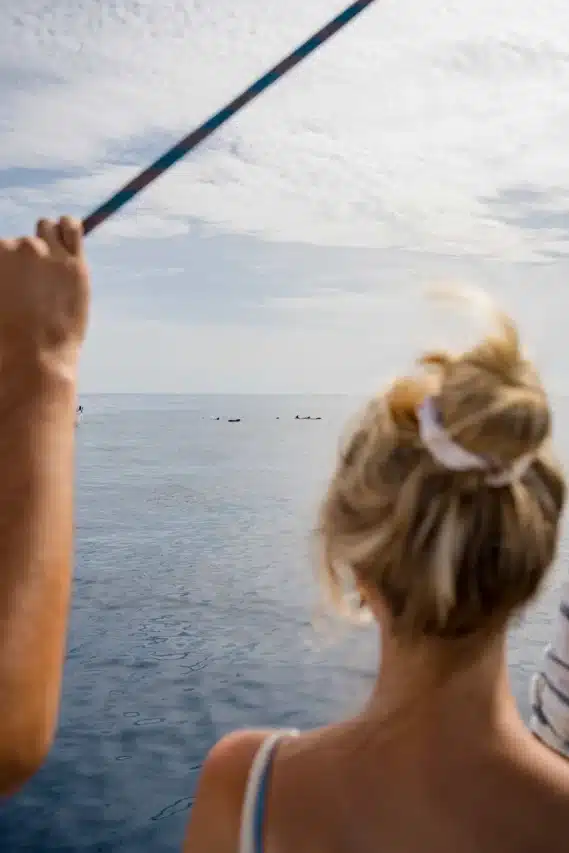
<point x="431" y="732"/>
<point x="44" y="296"/>
<point x="439" y="758"/>
<point x="443" y="553"/>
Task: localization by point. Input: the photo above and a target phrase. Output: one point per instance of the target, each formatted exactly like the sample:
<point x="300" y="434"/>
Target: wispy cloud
<point x="397" y="134"/>
<point x="427" y="142"/>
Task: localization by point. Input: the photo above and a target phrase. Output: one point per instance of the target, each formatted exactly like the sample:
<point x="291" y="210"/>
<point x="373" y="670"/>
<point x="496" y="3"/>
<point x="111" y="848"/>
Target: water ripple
<point x="191" y="615"/>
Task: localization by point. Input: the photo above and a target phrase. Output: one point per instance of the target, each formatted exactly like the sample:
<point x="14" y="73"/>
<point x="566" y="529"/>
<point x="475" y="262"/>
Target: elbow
<point x="18" y="764"/>
<point x="26" y="738"/>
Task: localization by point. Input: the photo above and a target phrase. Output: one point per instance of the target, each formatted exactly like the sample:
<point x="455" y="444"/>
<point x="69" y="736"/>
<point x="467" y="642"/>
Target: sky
<point x="425" y="144"/>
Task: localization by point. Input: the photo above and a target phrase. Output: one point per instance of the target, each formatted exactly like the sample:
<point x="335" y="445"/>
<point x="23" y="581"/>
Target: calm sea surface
<point x="193" y="609"/>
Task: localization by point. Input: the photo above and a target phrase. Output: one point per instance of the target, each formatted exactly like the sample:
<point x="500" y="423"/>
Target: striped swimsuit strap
<point x="254" y="803"/>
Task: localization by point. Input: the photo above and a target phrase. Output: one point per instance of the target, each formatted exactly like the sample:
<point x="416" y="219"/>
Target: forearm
<point x="550" y="687"/>
<point x="36" y="533"/>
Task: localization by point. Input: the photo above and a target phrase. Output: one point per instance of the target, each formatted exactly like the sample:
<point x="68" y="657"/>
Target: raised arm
<point x="43" y="316"/>
<point x="550" y="687"/>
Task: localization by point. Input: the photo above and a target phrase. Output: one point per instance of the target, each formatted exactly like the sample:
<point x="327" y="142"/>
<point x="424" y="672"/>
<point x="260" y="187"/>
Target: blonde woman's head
<point x="451" y="553"/>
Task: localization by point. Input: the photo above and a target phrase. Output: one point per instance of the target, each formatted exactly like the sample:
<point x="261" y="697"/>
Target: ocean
<point x="193" y="611"/>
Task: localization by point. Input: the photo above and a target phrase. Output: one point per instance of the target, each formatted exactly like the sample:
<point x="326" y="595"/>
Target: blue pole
<point x="189" y="142"/>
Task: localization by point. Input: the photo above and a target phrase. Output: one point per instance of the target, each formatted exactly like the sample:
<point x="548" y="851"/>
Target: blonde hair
<point x="450" y="554"/>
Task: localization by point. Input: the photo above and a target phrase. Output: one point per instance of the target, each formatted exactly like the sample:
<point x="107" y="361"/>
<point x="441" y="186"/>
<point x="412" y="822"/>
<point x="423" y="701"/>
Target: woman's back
<point x="355" y="789"/>
<point x="444" y="514"/>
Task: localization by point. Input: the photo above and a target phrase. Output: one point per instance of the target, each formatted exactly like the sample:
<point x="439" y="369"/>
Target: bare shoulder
<point x="232" y="754"/>
<point x="551" y="766"/>
<point x="542" y="793"/>
<point x="556" y="801"/>
<point x="216" y="812"/>
<point x="557" y="770"/>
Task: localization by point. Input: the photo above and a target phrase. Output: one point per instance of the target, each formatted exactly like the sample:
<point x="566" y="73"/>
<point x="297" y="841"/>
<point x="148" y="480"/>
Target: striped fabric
<point x="550" y="686"/>
<point x="253" y="811"/>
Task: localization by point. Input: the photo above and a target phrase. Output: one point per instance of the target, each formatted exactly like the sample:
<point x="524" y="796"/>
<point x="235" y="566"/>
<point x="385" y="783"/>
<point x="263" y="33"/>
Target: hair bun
<point x="448" y="558"/>
<point x="490" y="398"/>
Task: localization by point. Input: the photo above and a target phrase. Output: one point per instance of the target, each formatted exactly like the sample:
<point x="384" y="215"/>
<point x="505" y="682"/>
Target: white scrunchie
<point x="452" y="456"/>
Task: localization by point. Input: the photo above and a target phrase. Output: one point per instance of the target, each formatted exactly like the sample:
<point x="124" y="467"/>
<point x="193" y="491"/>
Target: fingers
<point x="47" y="231"/>
<point x="63" y="237"/>
<point x="72" y="235"/>
<point x="8" y="245"/>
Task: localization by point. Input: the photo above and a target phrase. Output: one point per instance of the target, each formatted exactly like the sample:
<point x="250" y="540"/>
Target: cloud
<point x="396" y="135"/>
<point x="425" y="144"/>
<point x="227" y="314"/>
<point x="175" y="333"/>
